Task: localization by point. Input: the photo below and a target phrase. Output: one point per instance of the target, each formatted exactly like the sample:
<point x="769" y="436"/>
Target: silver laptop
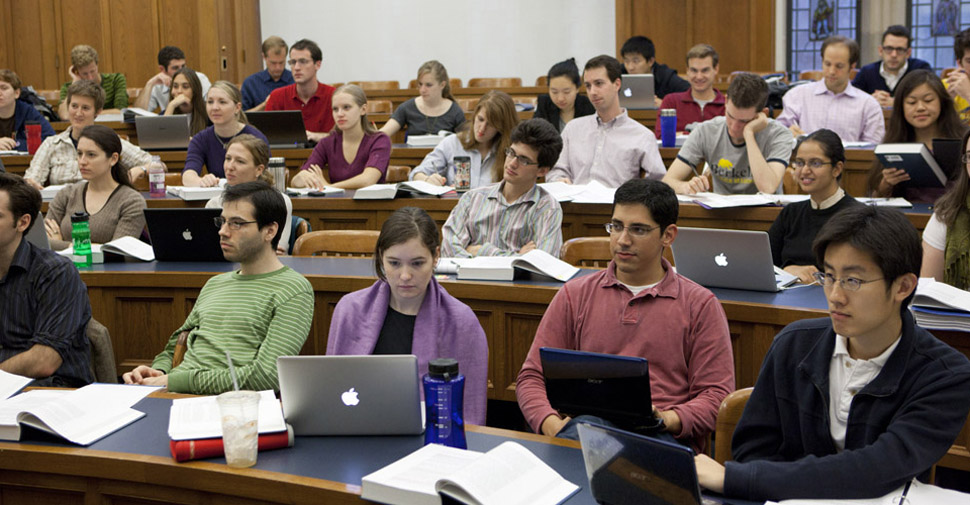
<point x="351" y="395"/>
<point x="163" y="133"/>
<point x="637" y="92"/>
<point x="284" y="129"/>
<point x="37" y="234"/>
<point x="736" y="259"/>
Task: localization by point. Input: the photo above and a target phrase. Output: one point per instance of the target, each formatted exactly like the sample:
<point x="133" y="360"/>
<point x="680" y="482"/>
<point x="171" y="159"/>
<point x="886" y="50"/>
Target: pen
<point x="902" y="499"/>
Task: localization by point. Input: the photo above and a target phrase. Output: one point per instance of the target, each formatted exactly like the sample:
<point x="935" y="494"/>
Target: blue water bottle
<point x="444" y="392"/>
<point x="668" y="127"/>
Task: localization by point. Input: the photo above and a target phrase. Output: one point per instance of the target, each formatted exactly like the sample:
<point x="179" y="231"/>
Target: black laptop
<point x="284" y="129"/>
<point x="184" y="234"/>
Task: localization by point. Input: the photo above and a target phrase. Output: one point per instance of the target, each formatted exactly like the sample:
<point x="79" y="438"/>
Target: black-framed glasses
<point x="847" y="283"/>
<point x="521" y="160"/>
<point x="813" y="164"/>
<point x="637" y="230"/>
<point x="234" y="224"/>
<point x="891" y="49"/>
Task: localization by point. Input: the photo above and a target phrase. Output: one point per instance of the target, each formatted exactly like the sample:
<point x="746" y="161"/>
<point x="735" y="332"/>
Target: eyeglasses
<point x="847" y="284"/>
<point x="813" y="164"/>
<point x="234" y="224"/>
<point x="301" y="61"/>
<point x="637" y="230"/>
<point x="891" y="49"/>
<point x="522" y="160"/>
<point x="965" y="158"/>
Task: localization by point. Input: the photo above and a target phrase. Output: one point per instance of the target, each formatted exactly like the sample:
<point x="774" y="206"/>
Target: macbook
<point x="284" y="129"/>
<point x="737" y="259"/>
<point x="163" y="133"/>
<point x="184" y="234"/>
<point x="636" y="92"/>
<point x="351" y="395"/>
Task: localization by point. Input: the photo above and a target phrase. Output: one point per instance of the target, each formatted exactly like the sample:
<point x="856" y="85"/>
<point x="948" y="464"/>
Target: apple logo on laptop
<point x="187" y="234"/>
<point x="627" y="93"/>
<point x="349" y="397"/>
<point x="721" y="260"/>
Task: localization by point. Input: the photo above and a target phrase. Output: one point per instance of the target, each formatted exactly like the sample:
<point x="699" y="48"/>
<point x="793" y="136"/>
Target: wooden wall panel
<point x="82" y="22"/>
<point x="247" y="56"/>
<point x="137" y="55"/>
<point x="32" y="42"/>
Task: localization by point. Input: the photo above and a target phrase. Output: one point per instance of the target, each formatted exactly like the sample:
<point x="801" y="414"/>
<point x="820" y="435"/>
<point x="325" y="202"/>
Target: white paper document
<point x="195" y="418"/>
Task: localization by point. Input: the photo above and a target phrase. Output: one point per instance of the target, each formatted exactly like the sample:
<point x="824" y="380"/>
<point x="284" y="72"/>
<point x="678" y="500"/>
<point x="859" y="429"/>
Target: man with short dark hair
<point x="257" y="87"/>
<point x="514" y="216"/>
<point x="746" y="151"/>
<point x="639" y="57"/>
<point x="857" y="404"/>
<point x="258" y="313"/>
<point x="156" y="93"/>
<point x="702" y="101"/>
<point x="607" y="147"/>
<point x="43" y="301"/>
<point x="958" y="82"/>
<point x="880" y="78"/>
<point x="308" y="95"/>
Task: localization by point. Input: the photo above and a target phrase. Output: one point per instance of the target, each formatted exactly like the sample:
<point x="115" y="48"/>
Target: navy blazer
<point x="869" y="80"/>
<point x="546" y="109"/>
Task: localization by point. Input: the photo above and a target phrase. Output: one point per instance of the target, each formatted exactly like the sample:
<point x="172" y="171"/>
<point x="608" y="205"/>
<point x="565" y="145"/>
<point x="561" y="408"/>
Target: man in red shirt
<point x="306" y="94"/>
<point x="702" y="101"/>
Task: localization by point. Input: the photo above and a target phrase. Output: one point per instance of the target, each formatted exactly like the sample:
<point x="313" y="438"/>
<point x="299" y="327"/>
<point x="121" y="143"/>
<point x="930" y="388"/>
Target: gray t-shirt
<point x="408" y="115"/>
<point x="710" y="142"/>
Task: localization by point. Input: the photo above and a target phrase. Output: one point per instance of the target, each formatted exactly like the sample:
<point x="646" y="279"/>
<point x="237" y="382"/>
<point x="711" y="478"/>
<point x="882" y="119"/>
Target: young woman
<point x="946" y="238"/>
<point x="818" y="162"/>
<point x="246" y="159"/>
<point x="484" y="143"/>
<point x="433" y="111"/>
<point x="922" y="111"/>
<point x="563" y="103"/>
<point x="407" y="312"/>
<point x="223" y="104"/>
<point x="116" y="208"/>
<point x="355" y="153"/>
<point x="186" y="97"/>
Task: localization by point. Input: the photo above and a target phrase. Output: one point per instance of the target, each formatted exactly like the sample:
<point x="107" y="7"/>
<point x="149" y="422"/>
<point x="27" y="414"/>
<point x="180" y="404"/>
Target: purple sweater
<point x="444" y="328"/>
<point x="205" y="149"/>
<point x="374" y="151"/>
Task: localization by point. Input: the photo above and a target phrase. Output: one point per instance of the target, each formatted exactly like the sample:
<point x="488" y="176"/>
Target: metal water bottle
<point x="668" y="127"/>
<point x="444" y="392"/>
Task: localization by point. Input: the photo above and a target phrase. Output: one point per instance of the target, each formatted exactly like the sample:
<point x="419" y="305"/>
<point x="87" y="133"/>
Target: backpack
<point x="27" y="94"/>
<point x="776" y="90"/>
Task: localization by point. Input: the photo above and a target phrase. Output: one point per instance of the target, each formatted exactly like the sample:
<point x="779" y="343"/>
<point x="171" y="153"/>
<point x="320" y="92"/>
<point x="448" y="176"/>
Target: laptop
<point x="184" y="234"/>
<point x="351" y="395"/>
<point x="163" y="133"/>
<point x="629" y="469"/>
<point x="736" y="259"/>
<point x="284" y="129"/>
<point x="613" y="387"/>
<point x="947" y="153"/>
<point x="37" y="234"/>
<point x="637" y="92"/>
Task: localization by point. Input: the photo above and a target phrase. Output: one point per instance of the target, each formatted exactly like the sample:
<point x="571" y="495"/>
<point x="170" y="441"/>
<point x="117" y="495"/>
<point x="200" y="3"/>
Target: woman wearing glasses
<point x="818" y="162"/>
<point x="946" y="239"/>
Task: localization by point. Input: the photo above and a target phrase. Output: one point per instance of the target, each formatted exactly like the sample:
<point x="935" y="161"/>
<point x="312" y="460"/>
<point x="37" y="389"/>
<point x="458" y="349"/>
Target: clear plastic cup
<point x="240" y="417"/>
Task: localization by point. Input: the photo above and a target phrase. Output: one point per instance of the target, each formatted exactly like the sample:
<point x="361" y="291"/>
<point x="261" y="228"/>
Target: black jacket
<point x="549" y="111"/>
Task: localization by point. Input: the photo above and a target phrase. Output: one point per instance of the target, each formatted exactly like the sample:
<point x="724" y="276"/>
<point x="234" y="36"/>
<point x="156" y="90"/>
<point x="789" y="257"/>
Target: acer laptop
<point x="636" y="92"/>
<point x="163" y="133"/>
<point x="184" y="234"/>
<point x="351" y="395"/>
<point x="736" y="259"/>
<point x="284" y="129"/>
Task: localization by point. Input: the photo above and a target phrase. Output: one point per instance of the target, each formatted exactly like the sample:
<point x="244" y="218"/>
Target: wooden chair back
<point x="102" y="353"/>
<point x="810" y="75"/>
<point x="359" y="243"/>
<point x="380" y="106"/>
<point x="468" y="104"/>
<point x="728" y="416"/>
<point x="455" y="83"/>
<point x="528" y="100"/>
<point x="495" y="82"/>
<point x="397" y="173"/>
<point x="542" y="81"/>
<point x="377" y="85"/>
<point x="587" y="252"/>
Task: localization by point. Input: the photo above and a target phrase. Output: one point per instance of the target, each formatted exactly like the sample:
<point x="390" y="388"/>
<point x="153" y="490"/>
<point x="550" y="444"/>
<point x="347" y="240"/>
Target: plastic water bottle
<point x="668" y="127"/>
<point x="81" y="236"/>
<point x="156" y="177"/>
<point x="444" y="392"/>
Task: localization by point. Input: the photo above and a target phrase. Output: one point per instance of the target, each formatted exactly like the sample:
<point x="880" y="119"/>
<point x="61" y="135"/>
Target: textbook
<point x="502" y="268"/>
<point x="506" y="475"/>
<point x="10" y="384"/>
<point x="190" y="193"/>
<point x="195" y="418"/>
<point x="431" y="140"/>
<point x="939" y="306"/>
<point x="392" y="191"/>
<point x="326" y="191"/>
<point x="124" y="246"/>
<point x="916" y="160"/>
<point x="187" y="450"/>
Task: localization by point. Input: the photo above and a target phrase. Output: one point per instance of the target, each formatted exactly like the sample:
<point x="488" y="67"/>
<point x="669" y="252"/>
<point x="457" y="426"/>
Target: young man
<point x="639" y="306"/>
<point x="958" y="82"/>
<point x="832" y="102"/>
<point x="514" y="216"/>
<point x="257" y="313"/>
<point x="43" y="301"/>
<point x="880" y="78"/>
<point x="84" y="67"/>
<point x="746" y="151"/>
<point x="155" y="94"/>
<point x="702" y="101"/>
<point x="306" y="94"/>
<point x="639" y="57"/>
<point x="857" y="404"/>
<point x="257" y="87"/>
<point x="15" y="114"/>
<point x="608" y="146"/>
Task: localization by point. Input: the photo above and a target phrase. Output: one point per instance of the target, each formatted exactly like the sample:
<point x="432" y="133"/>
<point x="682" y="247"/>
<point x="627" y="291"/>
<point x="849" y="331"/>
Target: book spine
<point x="187" y="450"/>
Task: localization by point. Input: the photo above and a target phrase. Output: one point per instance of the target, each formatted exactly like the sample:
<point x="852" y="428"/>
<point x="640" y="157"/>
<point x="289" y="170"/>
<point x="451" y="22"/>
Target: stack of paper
<point x="940" y="306"/>
<point x="50" y="192"/>
<point x="901" y="203"/>
<point x="326" y="191"/>
<point x="189" y="193"/>
<point x="194" y="418"/>
<point x="595" y="192"/>
<point x="561" y="191"/>
<point x="502" y="268"/>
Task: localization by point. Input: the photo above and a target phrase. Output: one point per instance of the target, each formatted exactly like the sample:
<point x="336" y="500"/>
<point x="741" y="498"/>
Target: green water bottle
<point x="81" y="235"/>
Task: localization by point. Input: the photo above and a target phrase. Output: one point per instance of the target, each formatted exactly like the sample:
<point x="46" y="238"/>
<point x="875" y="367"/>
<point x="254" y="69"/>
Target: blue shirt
<point x="258" y="86"/>
<point x="207" y="150"/>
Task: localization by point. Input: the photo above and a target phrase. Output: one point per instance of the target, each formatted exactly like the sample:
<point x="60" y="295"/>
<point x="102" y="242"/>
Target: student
<point x="946" y="238"/>
<point x="115" y="207"/>
<point x="857" y="404"/>
<point x="55" y="161"/>
<point x="306" y="94"/>
<point x="257" y="87"/>
<point x="433" y="111"/>
<point x="84" y="67"/>
<point x="639" y="57"/>
<point x="639" y="306"/>
<point x="15" y="114"/>
<point x="44" y="303"/>
<point x="922" y="111"/>
<point x="745" y="150"/>
<point x="187" y="98"/>
<point x="516" y="215"/>
<point x="563" y="103"/>
<point x="880" y="78"/>
<point x="608" y="146"/>
<point x="208" y="148"/>
<point x="819" y="162"/>
<point x="157" y="93"/>
<point x="407" y="312"/>
<point x="958" y="82"/>
<point x="257" y="313"/>
<point x="246" y="159"/>
<point x="832" y="102"/>
<point x="369" y="149"/>
<point x="484" y="144"/>
<point x="702" y="101"/>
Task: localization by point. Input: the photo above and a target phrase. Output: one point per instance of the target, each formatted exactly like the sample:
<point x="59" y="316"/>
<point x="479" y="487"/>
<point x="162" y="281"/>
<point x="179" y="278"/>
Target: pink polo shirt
<point x="679" y="326"/>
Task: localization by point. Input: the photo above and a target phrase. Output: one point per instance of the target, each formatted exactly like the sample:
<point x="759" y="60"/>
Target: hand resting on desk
<point x="146" y="376"/>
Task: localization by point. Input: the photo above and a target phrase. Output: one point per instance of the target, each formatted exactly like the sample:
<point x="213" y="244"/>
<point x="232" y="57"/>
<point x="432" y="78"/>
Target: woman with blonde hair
<point x="433" y="110"/>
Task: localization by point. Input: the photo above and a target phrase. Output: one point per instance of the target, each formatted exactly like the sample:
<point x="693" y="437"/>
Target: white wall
<point x="371" y="40"/>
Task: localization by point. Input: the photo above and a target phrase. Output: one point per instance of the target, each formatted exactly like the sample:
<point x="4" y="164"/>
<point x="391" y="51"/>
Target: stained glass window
<point x="934" y="23"/>
<point x="810" y="22"/>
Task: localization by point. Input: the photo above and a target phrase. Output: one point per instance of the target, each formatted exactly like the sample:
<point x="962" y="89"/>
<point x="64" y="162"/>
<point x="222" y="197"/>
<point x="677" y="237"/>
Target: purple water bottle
<point x="668" y="127"/>
<point x="444" y="392"/>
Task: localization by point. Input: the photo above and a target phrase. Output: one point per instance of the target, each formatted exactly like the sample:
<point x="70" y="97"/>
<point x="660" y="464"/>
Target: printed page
<point x="716" y="201"/>
<point x="595" y="192"/>
<point x="195" y="418"/>
<point x="427" y="188"/>
<point x="416" y="473"/>
<point x="132" y="247"/>
<point x="897" y="202"/>
<point x="10" y="384"/>
<point x="90" y="413"/>
<point x="930" y="293"/>
<point x="542" y="262"/>
<point x="561" y="191"/>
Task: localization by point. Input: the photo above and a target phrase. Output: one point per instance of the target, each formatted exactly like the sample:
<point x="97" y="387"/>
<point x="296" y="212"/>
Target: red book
<point x="187" y="450"/>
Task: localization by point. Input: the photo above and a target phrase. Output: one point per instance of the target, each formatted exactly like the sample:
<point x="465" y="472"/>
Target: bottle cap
<point x="277" y="160"/>
<point x="79" y="217"/>
<point x="443" y="368"/>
